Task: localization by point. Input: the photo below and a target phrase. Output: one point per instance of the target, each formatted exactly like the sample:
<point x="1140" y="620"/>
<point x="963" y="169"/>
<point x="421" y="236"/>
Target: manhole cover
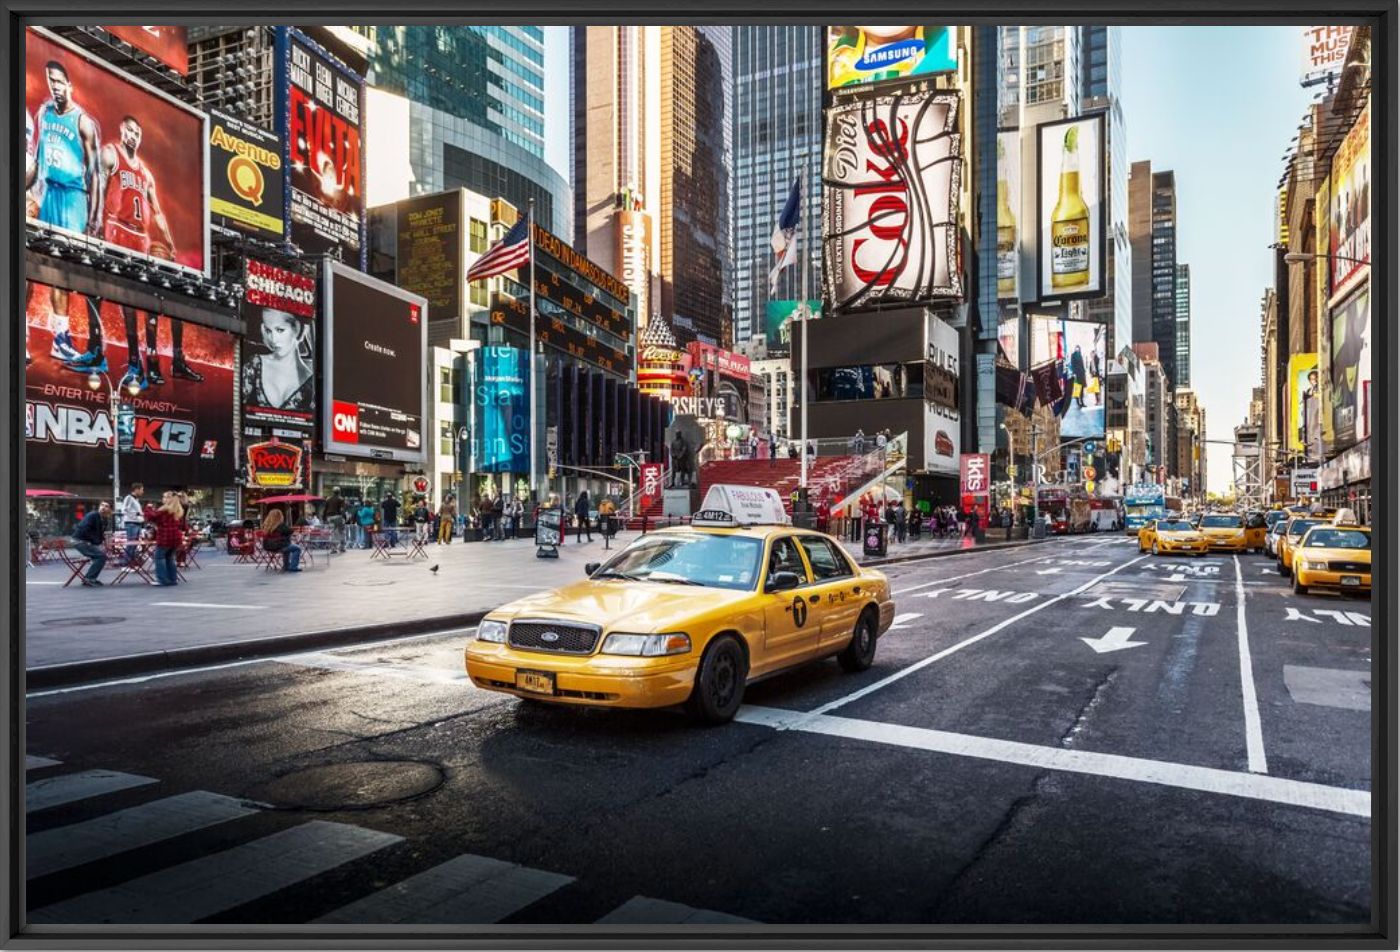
<point x="370" y="581"/>
<point x="361" y="785"/>
<point x="81" y="620"/>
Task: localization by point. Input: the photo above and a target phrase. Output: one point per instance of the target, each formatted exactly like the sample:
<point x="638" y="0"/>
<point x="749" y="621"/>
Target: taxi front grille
<point x="1348" y="566"/>
<point x="547" y="636"/>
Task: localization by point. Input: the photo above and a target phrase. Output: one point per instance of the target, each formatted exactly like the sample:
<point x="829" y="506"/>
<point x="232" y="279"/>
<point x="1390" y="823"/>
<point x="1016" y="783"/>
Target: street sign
<point x="421" y="485"/>
<point x="126" y="428"/>
<point x="1090" y="446"/>
<point x="1089" y="485"/>
<point x="1090" y="473"/>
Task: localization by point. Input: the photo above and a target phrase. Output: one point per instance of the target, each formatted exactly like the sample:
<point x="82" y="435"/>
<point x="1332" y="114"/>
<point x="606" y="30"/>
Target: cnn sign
<point x="345" y="421"/>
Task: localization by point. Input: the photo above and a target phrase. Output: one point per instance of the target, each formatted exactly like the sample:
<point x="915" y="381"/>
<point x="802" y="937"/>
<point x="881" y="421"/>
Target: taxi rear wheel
<point x="859" y="655"/>
<point x="719" y="682"/>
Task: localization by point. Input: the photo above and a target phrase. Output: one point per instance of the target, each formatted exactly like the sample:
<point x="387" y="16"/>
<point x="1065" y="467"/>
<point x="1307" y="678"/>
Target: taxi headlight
<point x="645" y="646"/>
<point x="1315" y="566"/>
<point x="493" y="631"/>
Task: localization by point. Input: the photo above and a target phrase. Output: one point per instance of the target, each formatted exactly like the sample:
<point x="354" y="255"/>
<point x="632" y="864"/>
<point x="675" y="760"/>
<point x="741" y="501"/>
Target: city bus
<point x="1065" y="511"/>
<point x="1142" y="504"/>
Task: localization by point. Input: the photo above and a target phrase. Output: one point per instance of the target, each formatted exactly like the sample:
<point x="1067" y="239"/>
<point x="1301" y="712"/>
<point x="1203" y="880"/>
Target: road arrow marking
<point x="1115" y="640"/>
<point x="901" y="621"/>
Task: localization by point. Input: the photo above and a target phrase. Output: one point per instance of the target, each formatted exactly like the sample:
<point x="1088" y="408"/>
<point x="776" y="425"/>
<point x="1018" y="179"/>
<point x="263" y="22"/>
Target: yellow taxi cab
<point x="1227" y="532"/>
<point x="1163" y="536"/>
<point x="689" y="615"/>
<point x="1335" y="556"/>
<point x="1292" y="535"/>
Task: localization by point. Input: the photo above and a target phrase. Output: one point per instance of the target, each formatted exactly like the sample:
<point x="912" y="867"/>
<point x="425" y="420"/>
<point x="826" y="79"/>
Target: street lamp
<point x="1303" y="257"/>
<point x="459" y="436"/>
<point x="95" y="381"/>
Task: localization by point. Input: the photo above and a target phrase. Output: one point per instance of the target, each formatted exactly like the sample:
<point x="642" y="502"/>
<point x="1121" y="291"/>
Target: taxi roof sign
<point x="731" y="505"/>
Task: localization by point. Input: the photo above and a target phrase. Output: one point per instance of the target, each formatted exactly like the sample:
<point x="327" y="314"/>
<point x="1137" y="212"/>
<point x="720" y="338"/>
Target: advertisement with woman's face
<point x="278" y="382"/>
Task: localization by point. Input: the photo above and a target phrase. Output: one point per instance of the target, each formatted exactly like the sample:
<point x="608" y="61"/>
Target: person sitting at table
<point x="169" y="521"/>
<point x="88" y="538"/>
<point x="277" y="537"/>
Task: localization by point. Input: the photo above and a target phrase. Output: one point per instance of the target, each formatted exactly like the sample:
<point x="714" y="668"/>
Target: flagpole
<point x="806" y="316"/>
<point x="534" y="438"/>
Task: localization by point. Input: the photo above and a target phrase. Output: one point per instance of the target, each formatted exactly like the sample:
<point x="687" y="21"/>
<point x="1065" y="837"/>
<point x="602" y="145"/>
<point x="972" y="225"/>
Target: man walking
<point x="447" y="519"/>
<point x="132" y="519"/>
<point x="901" y="521"/>
<point x="88" y="538"/>
<point x="498" y="513"/>
<point x="335" y="518"/>
<point x="390" y="508"/>
<point x="581" y="510"/>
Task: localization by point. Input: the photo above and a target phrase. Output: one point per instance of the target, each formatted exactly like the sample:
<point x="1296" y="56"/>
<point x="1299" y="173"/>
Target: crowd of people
<point x="167" y="526"/>
<point x="905" y="523"/>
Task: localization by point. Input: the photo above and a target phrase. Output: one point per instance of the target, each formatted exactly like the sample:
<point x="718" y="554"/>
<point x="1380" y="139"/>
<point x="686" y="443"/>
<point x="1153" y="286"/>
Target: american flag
<point x="509" y="253"/>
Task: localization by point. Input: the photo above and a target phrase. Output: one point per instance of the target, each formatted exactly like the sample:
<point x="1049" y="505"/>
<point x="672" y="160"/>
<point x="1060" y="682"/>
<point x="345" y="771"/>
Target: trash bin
<point x="876" y="539"/>
<point x="1039" y="532"/>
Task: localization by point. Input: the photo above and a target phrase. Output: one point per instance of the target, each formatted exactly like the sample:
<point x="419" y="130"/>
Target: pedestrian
<point x="366" y="518"/>
<point x="422" y="521"/>
<point x="858" y="442"/>
<point x="390" y="508"/>
<point x="167" y="519"/>
<point x="132" y="519"/>
<point x="824" y="514"/>
<point x="916" y="524"/>
<point x="811" y="450"/>
<point x="447" y="520"/>
<point x="880" y="441"/>
<point x="581" y="512"/>
<point x="88" y="538"/>
<point x="772" y="448"/>
<point x="901" y="523"/>
<point x="498" y="513"/>
<point x="277" y="537"/>
<point x="335" y="518"/>
<point x="607" y="509"/>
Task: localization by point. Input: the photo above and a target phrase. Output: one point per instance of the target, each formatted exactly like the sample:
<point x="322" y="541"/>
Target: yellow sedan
<point x="1333" y="557"/>
<point x="686" y="616"/>
<point x="1165" y="536"/>
<point x="1225" y="532"/>
<point x="1292" y="535"/>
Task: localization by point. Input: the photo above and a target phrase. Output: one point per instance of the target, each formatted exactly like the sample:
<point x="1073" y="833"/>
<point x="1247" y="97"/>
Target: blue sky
<point x="1218" y="105"/>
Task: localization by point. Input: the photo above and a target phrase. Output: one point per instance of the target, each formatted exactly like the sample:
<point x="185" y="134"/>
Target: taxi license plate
<point x="1351" y="580"/>
<point x="536" y="682"/>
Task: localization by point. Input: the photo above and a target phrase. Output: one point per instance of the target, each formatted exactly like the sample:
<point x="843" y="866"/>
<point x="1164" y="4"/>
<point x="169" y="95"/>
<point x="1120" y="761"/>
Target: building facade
<point x="1152" y="233"/>
<point x="1183" y="325"/>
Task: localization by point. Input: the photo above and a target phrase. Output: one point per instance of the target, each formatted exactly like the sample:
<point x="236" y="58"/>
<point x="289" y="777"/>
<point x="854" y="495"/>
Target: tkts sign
<point x="274" y="465"/>
<point x="975" y="468"/>
<point x="891" y="179"/>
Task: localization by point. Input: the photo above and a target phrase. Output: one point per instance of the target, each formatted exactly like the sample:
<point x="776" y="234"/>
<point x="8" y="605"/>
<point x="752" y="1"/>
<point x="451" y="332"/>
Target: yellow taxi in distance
<point x="1333" y="556"/>
<point x="1163" y="536"/>
<point x="1225" y="532"/>
<point x="1292" y="535"/>
<point x="689" y="615"/>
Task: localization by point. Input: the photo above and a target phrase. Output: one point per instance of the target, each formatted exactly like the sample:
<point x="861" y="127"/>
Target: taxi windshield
<point x="1276" y="518"/>
<point x="1298" y="526"/>
<point x="1222" y="522"/>
<point x="1338" y="539"/>
<point x="715" y="561"/>
<point x="1174" y="525"/>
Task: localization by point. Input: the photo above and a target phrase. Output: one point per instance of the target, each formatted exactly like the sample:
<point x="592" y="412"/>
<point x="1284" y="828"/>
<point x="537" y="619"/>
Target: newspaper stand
<point x="549" y="532"/>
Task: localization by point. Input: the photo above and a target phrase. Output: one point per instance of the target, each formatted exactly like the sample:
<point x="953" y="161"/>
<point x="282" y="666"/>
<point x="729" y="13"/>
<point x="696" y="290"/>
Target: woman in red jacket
<point x="169" y="521"/>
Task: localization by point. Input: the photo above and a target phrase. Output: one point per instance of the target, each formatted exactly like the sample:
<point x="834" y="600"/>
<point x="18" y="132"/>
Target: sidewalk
<point x="226" y="611"/>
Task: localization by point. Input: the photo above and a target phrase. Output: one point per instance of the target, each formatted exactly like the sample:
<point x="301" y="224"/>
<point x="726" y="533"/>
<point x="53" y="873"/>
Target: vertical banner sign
<point x="320" y="102"/>
<point x="1349" y="370"/>
<point x="942" y="423"/>
<point x="1324" y="52"/>
<point x="1070" y="202"/>
<point x="975" y="468"/>
<point x="650" y="484"/>
<point x="279" y="349"/>
<point x="633" y="229"/>
<point x="891" y="181"/>
<point x="501" y="399"/>
<point x="169" y="44"/>
<point x="857" y="56"/>
<point x="1008" y="206"/>
<point x="245" y="176"/>
<point x="1304" y="405"/>
<point x="1350" y="232"/>
<point x="111" y="158"/>
<point x="1322" y="292"/>
<point x="430" y="244"/>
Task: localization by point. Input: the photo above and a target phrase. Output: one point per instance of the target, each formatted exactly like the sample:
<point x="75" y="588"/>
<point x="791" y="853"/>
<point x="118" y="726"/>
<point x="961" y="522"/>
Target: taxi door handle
<point x="856" y="590"/>
<point x="814" y="599"/>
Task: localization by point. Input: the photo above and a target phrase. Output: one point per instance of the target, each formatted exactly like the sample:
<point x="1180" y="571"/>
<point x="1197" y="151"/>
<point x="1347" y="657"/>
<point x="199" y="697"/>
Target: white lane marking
<point x="69" y="788"/>
<point x="403" y="672"/>
<point x="1253" y="728"/>
<point x="67" y="846"/>
<point x="1116" y="640"/>
<point x="467" y="889"/>
<point x="1233" y="783"/>
<point x="902" y="620"/>
<point x="206" y="605"/>
<point x="207" y="886"/>
<point x="158" y="675"/>
<point x="32" y="762"/>
<point x="31" y="581"/>
<point x="954" y="578"/>
<point x="640" y="911"/>
<point x="939" y="656"/>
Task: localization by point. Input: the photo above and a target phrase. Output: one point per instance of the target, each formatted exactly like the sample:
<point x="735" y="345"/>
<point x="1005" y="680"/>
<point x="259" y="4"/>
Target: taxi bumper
<point x="1228" y="543"/>
<point x="1318" y="578"/>
<point x="1167" y="546"/>
<point x="591" y="680"/>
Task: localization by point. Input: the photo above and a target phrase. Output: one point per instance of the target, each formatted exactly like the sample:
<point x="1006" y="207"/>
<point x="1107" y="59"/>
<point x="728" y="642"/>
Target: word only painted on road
<point x="1153" y="605"/>
<point x="1340" y="617"/>
<point x="981" y="595"/>
<point x="1088" y="563"/>
<point x="1184" y="568"/>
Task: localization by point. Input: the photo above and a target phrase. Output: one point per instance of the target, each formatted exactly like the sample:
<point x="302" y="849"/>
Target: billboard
<point x="1324" y="52"/>
<point x="777" y="321"/>
<point x="169" y="44"/>
<point x="1349" y="233"/>
<point x="1008" y="207"/>
<point x="279" y="351"/>
<point x="274" y="464"/>
<point x="501" y="410"/>
<point x="430" y="244"/>
<point x="245" y="176"/>
<point x="1349" y="370"/>
<point x="1322" y="292"/>
<point x="1009" y="340"/>
<point x="181" y="417"/>
<point x="1070" y="361"/>
<point x="111" y="158"/>
<point x="320" y="102"/>
<point x="891" y="175"/>
<point x="1070" y="204"/>
<point x="634" y="243"/>
<point x="976" y="473"/>
<point x="375" y="371"/>
<point x="857" y="56"/>
<point x="1304" y="405"/>
<point x="942" y="424"/>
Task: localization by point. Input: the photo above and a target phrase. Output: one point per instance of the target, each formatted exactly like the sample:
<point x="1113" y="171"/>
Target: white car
<point x="1276" y="527"/>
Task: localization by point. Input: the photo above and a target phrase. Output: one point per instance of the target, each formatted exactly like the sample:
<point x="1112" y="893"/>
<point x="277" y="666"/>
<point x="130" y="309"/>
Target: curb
<point x="101" y="669"/>
<point x="991" y="547"/>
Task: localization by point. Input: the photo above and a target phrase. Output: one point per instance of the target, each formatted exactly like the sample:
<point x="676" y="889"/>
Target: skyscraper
<point x="777" y="74"/>
<point x="1183" y="325"/>
<point x="1152" y="228"/>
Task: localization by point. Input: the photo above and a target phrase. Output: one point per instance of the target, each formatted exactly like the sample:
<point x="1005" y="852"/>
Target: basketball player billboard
<point x="111" y="158"/>
<point x="178" y="380"/>
<point x="320" y="102"/>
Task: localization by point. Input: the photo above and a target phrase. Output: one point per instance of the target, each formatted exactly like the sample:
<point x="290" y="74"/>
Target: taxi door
<point x="836" y="585"/>
<point x="1255" y="528"/>
<point x="791" y="619"/>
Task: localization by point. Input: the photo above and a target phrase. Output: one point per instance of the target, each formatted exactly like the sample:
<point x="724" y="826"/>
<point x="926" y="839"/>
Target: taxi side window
<point x="826" y="562"/>
<point x="1254" y="521"/>
<point x="786" y="558"/>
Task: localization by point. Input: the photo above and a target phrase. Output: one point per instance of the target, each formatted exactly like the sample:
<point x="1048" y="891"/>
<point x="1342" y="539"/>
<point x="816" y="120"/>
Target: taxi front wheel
<point x="719" y="682"/>
<point x="860" y="653"/>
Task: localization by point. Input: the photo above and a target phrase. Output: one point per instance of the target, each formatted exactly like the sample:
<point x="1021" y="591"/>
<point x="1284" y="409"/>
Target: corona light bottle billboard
<point x="1069" y="223"/>
<point x="1006" y="228"/>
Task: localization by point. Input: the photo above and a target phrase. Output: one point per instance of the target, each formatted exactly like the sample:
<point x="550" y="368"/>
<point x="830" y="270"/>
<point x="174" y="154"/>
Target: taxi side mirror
<point x="783" y="581"/>
<point x="592" y="567"/>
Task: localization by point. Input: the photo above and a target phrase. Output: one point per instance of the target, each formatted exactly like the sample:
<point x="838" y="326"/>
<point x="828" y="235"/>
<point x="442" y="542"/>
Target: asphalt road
<point x="1057" y="734"/>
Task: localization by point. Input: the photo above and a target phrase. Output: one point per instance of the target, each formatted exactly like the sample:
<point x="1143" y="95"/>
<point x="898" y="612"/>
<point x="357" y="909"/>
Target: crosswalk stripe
<point x="67" y="846"/>
<point x="211" y="884"/>
<point x="32" y="762"/>
<point x="68" y="788"/>
<point x="466" y="889"/>
<point x="639" y="910"/>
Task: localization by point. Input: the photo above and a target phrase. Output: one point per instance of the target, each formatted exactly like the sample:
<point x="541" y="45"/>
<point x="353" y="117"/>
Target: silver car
<point x="1277" y="521"/>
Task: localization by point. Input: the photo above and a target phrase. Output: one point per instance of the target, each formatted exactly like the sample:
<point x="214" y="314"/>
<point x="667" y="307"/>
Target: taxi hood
<point x="619" y="605"/>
